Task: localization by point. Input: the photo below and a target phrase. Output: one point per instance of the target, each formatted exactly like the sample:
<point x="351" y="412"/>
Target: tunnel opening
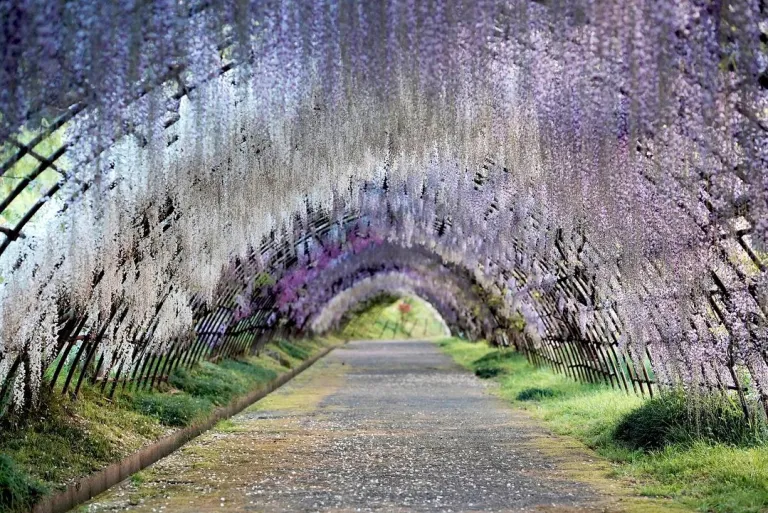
<point x="394" y="314"/>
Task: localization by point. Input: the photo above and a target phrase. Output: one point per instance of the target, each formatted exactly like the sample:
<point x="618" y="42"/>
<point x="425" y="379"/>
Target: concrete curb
<point x="88" y="487"/>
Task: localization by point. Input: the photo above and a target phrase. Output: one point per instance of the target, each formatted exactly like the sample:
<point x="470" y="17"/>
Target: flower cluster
<point x="598" y="169"/>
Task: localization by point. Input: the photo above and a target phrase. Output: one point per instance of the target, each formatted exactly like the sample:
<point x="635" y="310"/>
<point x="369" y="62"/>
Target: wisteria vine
<point x="597" y="168"/>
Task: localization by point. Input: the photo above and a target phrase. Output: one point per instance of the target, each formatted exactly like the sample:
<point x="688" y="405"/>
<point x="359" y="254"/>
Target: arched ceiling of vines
<point x="592" y="170"/>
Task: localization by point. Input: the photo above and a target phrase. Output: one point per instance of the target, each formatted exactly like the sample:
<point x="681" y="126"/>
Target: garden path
<point x="376" y="426"/>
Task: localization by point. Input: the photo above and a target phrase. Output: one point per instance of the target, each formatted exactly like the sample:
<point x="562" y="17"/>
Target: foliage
<point x="255" y="371"/>
<point x="17" y="491"/>
<point x="704" y="476"/>
<point x="492" y="364"/>
<point x="26" y="166"/>
<point x="692" y="468"/>
<point x="535" y="394"/>
<point x="219" y="383"/>
<point x="487" y="372"/>
<point x="70" y="438"/>
<point x="673" y="418"/>
<point x="497" y="358"/>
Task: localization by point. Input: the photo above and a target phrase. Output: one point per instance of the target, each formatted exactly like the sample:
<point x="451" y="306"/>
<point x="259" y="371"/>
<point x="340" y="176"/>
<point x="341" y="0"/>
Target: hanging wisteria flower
<point x="596" y="171"/>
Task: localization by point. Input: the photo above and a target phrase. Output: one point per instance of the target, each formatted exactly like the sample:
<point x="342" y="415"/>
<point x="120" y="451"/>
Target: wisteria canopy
<point x="585" y="179"/>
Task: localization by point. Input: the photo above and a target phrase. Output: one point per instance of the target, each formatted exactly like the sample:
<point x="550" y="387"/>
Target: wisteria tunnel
<point x="185" y="181"/>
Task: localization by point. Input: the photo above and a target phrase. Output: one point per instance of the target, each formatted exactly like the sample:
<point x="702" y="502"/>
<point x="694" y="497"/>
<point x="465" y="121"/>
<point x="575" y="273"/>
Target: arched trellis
<point x="731" y="300"/>
<point x="215" y="331"/>
<point x="448" y="288"/>
<point x="591" y="352"/>
<point x="397" y="283"/>
<point x="594" y="354"/>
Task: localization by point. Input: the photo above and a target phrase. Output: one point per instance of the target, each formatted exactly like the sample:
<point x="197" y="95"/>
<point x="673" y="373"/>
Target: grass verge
<point x="68" y="439"/>
<point x="703" y="465"/>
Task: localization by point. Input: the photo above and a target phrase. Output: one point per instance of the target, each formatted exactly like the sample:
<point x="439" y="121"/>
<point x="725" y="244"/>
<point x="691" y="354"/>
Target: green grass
<point x="535" y="394"/>
<point x="705" y="476"/>
<point x="381" y="318"/>
<point x="68" y="439"/>
<point x="678" y="418"/>
<point x="293" y="350"/>
<point x="709" y="464"/>
<point x="175" y="410"/>
<point x="219" y="383"/>
<point x="17" y="489"/>
<point x="138" y="478"/>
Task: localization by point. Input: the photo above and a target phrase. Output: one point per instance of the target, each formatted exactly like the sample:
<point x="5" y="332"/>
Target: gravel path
<point x="375" y="426"/>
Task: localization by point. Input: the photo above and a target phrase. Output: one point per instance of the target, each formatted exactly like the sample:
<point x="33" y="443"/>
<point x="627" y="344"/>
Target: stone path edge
<point x="90" y="486"/>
